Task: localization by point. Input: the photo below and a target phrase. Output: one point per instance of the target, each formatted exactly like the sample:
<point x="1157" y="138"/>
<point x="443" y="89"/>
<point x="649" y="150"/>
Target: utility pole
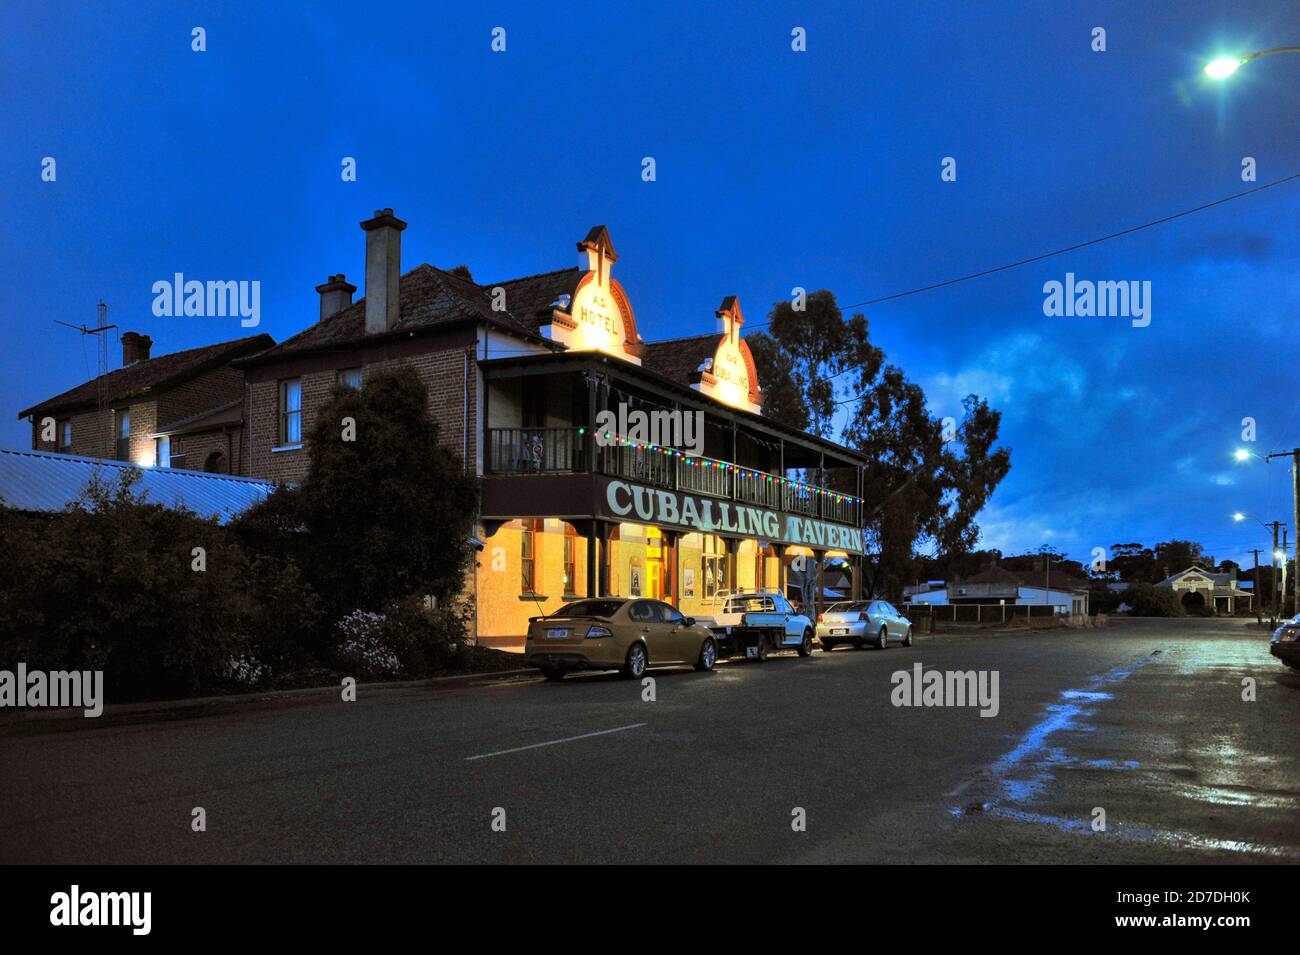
<point x="1294" y="455"/>
<point x="1272" y="583"/>
<point x="1254" y="588"/>
<point x="1282" y="600"/>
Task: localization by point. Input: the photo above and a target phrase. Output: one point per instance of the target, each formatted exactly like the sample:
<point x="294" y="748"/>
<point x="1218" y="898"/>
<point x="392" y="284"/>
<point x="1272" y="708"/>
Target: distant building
<point x="998" y="585"/>
<point x="1198" y="589"/>
<point x="182" y="410"/>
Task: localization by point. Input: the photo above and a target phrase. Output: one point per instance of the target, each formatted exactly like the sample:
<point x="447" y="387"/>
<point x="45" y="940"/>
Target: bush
<point x="365" y="647"/>
<point x="1147" y="600"/>
<point x="113" y="584"/>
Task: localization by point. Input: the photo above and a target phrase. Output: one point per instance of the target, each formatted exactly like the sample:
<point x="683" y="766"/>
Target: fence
<point x="978" y="613"/>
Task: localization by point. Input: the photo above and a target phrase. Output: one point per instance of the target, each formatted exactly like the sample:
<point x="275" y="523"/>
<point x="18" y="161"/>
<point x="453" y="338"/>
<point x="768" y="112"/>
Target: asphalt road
<point x="1144" y="720"/>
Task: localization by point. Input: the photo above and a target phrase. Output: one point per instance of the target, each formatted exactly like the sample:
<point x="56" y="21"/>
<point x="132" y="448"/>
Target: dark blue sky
<point x="775" y="169"/>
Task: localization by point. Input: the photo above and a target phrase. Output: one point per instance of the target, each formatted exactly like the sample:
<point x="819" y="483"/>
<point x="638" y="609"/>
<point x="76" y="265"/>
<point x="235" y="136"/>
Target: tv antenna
<point x="101" y="332"/>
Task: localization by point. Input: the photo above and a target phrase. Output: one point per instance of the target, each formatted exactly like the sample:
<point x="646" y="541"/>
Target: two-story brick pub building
<point x="520" y="373"/>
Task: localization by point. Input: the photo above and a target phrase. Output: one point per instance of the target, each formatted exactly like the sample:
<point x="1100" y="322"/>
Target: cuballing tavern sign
<point x="633" y="502"/>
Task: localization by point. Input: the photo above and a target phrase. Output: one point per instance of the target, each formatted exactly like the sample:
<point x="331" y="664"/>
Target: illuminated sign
<point x="633" y="502"/>
<point x="599" y="317"/>
<point x="730" y="376"/>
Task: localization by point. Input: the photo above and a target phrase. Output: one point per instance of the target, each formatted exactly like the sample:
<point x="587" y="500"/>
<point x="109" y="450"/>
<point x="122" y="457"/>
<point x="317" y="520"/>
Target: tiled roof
<point x="428" y="298"/>
<point x="680" y="358"/>
<point x="44" y="481"/>
<point x="156" y="374"/>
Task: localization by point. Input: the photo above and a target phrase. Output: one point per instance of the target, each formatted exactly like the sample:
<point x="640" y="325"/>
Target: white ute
<point x="751" y="624"/>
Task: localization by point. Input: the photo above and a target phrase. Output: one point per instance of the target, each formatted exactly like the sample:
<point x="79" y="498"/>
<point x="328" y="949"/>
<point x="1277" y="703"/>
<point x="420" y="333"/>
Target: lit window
<point x="570" y="559"/>
<point x="528" y="558"/>
<point x="163" y="451"/>
<point x="291" y="411"/>
<point x="351" y="378"/>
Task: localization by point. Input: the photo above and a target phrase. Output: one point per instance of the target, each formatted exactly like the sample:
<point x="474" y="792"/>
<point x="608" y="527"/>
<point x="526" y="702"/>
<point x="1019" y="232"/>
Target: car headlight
<point x="599" y="632"/>
<point x="1285" y="635"/>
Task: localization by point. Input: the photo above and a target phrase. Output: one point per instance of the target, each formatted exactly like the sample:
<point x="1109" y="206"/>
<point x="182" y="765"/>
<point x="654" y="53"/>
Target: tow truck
<point x="754" y="623"/>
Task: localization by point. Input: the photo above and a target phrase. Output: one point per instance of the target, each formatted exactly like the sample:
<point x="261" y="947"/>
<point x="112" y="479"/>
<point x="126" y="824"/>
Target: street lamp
<point x="1221" y="67"/>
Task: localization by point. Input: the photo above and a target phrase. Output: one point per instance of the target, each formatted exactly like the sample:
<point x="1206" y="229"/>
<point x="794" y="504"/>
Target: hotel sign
<point x="599" y="316"/>
<point x="635" y="503"/>
<point x="730" y="376"/>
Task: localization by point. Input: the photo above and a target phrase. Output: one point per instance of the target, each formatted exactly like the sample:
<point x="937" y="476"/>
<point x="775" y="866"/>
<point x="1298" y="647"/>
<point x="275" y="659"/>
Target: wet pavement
<point x="1141" y="725"/>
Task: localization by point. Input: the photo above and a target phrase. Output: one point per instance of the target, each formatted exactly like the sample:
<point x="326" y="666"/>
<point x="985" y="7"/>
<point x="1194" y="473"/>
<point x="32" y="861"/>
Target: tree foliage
<point x="922" y="486"/>
<point x="385" y="511"/>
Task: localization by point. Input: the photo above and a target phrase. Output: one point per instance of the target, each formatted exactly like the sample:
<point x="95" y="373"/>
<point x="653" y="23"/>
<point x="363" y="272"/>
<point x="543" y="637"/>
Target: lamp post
<point x="1221" y="67"/>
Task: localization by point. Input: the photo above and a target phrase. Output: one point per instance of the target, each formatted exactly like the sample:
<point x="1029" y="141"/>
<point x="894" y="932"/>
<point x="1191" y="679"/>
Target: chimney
<point x="135" y="348"/>
<point x="335" y="295"/>
<point x="383" y="266"/>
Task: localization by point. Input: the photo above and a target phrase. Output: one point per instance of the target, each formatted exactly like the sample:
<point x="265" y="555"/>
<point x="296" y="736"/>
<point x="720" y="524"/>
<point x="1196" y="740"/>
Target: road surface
<point x="1143" y="721"/>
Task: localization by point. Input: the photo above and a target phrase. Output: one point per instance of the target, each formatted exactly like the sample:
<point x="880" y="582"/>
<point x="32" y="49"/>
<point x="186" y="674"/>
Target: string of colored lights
<point x="695" y="461"/>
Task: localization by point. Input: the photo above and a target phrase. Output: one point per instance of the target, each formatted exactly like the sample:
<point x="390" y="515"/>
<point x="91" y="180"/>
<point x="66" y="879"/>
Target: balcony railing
<point x="539" y="450"/>
<point x="531" y="450"/>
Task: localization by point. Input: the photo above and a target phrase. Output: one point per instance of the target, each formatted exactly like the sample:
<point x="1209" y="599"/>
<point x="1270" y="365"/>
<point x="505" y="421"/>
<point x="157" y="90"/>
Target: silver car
<point x="860" y="622"/>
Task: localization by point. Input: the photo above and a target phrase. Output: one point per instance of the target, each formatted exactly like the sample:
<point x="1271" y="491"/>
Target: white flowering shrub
<point x="248" y="670"/>
<point x="365" y="646"/>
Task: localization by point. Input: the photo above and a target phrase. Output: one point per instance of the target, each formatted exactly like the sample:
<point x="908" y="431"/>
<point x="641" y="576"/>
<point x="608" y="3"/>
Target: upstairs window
<point x="163" y="451"/>
<point x="351" y="378"/>
<point x="122" y="431"/>
<point x="65" y="437"/>
<point x="291" y="411"/>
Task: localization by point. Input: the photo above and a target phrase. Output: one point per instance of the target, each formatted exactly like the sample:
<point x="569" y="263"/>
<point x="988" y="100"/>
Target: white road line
<point x="555" y="742"/>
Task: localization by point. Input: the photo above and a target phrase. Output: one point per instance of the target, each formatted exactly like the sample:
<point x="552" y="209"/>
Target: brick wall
<point x="209" y="390"/>
<point x="441" y="369"/>
<point x="93" y="432"/>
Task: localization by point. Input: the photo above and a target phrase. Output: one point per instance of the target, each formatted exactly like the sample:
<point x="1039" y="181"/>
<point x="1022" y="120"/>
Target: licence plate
<point x="557" y="634"/>
<point x="751" y="653"/>
<point x="843" y="631"/>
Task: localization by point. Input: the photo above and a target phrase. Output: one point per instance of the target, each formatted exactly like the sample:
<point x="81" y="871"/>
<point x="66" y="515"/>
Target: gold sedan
<point x="627" y="634"/>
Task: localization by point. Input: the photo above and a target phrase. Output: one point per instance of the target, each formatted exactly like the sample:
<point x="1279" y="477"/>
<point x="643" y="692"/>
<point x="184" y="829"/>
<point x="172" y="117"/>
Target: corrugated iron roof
<point x="45" y="481"/>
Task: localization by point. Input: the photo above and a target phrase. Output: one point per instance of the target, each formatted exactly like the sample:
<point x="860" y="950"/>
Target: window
<point x="528" y="558"/>
<point x="589" y="608"/>
<point x="643" y="611"/>
<point x="65" y="437"/>
<point x="163" y="451"/>
<point x="123" y="434"/>
<point x="570" y="559"/>
<point x="669" y="614"/>
<point x="714" y="563"/>
<point x="351" y="378"/>
<point x="291" y="411"/>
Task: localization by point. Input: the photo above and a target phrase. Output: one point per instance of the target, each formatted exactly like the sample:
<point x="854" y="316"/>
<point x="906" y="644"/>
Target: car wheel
<point x="828" y="646"/>
<point x="635" y="664"/>
<point x="762" y="649"/>
<point x="805" y="648"/>
<point x="554" y="674"/>
<point x="907" y="638"/>
<point x="708" y="656"/>
<point x="882" y="639"/>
